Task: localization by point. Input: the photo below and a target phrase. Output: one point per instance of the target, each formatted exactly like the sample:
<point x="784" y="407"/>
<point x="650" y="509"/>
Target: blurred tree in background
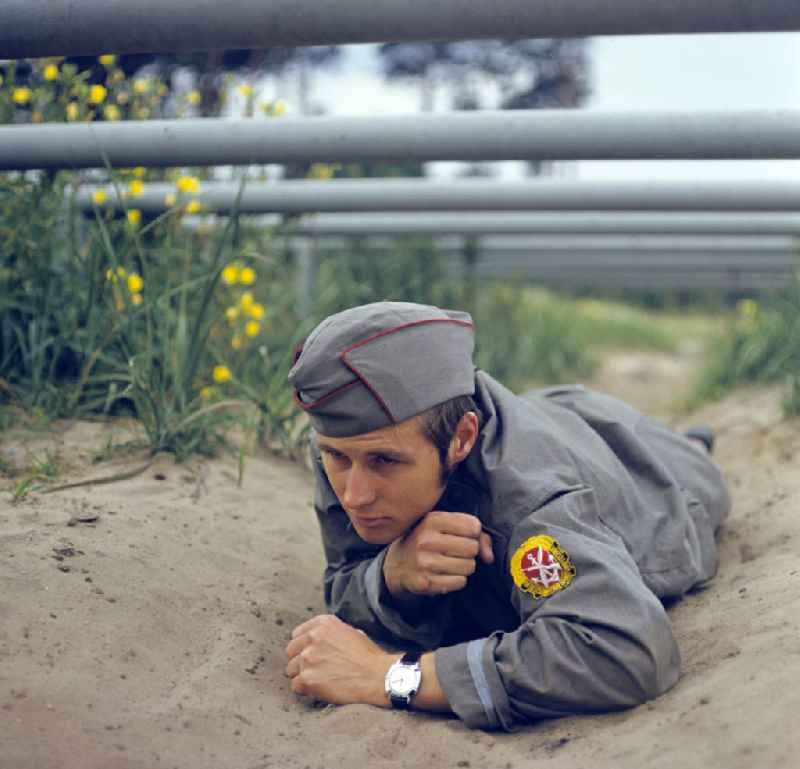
<point x="503" y="74"/>
<point x="526" y="74"/>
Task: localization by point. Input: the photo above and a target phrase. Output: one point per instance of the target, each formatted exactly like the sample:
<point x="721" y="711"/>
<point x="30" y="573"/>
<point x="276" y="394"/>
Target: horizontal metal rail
<point x="490" y="135"/>
<point x="644" y="280"/>
<point x="655" y="280"/>
<point x="619" y="244"/>
<point x="30" y="28"/>
<point x="478" y="223"/>
<point x="644" y="270"/>
<point x="751" y="258"/>
<point x="643" y="261"/>
<point x="296" y="197"/>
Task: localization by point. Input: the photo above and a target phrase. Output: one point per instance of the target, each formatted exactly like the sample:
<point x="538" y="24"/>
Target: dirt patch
<point x="142" y="623"/>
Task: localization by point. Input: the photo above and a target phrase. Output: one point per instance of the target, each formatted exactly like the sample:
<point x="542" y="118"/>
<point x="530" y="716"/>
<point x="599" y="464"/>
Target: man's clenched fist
<point x="437" y="555"/>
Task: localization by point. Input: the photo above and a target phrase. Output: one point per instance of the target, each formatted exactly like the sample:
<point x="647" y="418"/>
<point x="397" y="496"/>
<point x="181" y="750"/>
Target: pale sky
<point x="668" y="72"/>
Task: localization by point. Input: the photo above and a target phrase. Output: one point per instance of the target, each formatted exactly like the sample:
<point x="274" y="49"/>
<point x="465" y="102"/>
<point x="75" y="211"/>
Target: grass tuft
<point x="761" y="345"/>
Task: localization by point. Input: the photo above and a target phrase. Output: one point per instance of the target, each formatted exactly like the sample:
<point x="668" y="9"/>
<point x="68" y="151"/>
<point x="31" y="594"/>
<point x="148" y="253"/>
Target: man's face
<point x="386" y="480"/>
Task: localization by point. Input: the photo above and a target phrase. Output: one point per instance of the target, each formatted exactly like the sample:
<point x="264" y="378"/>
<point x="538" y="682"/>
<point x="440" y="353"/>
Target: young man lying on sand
<point x="515" y="548"/>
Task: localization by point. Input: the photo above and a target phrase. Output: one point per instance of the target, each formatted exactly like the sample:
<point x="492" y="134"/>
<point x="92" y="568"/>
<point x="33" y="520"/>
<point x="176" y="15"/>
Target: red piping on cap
<point x="327" y="396"/>
<point x="385" y="332"/>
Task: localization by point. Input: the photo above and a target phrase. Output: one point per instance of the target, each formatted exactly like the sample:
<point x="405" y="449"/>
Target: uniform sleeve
<point x="602" y="641"/>
<point x="355" y="589"/>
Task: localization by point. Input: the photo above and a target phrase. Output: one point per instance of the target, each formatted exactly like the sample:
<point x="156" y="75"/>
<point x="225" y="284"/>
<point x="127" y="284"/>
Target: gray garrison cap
<point x="378" y="364"/>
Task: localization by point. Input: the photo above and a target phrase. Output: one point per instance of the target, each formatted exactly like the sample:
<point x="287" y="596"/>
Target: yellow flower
<point x="21" y="95"/>
<point x="122" y="272"/>
<point x="256" y="311"/>
<point x="747" y="308"/>
<point x="50" y="72"/>
<point x="193" y="97"/>
<point x="123" y="98"/>
<point x="117" y="76"/>
<point x="110" y="275"/>
<point x="140" y="85"/>
<point x="111" y="112"/>
<point x="232" y="313"/>
<point x="119" y="304"/>
<point x="97" y="94"/>
<point x="279" y="108"/>
<point x="142" y="113"/>
<point x="221" y="374"/>
<point x="246" y="90"/>
<point x="72" y="111"/>
<point x="136" y="299"/>
<point x="251" y="328"/>
<point x="136" y="187"/>
<point x="99" y="197"/>
<point x="246" y="301"/>
<point x="139" y="172"/>
<point x="135" y="283"/>
<point x="321" y="171"/>
<point x="248" y="276"/>
<point x="161" y="90"/>
<point x="194" y="207"/>
<point x="188" y="184"/>
<point x="134" y="216"/>
<point x="230" y="275"/>
<point x="206" y="393"/>
<point x="107" y="59"/>
<point x="236" y="342"/>
<point x="170" y="200"/>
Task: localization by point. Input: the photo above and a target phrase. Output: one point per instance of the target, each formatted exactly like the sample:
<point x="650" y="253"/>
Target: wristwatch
<point x="403" y="679"/>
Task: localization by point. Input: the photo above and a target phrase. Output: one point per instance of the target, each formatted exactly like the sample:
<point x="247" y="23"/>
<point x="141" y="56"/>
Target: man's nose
<point x="359" y="491"/>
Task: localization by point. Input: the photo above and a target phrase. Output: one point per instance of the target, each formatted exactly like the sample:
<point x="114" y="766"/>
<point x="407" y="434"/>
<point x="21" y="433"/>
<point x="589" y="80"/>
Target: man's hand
<point x="338" y="663"/>
<point x="437" y="556"/>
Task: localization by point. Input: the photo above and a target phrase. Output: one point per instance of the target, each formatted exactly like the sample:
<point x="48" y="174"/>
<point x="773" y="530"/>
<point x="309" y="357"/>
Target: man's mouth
<point x="370" y="523"/>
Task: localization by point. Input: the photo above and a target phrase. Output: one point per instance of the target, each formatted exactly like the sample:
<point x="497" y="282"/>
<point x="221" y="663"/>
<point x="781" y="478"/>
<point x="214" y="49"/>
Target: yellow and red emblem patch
<point x="540" y="566"/>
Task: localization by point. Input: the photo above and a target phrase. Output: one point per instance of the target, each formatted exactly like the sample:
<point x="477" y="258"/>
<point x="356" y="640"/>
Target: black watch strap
<point x="403" y="703"/>
<point x="400" y="703"/>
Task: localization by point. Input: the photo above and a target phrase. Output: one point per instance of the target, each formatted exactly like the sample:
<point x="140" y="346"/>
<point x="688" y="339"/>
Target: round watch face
<point x="403" y="681"/>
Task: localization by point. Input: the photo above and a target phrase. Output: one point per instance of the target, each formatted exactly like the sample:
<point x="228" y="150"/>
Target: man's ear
<point x="464" y="438"/>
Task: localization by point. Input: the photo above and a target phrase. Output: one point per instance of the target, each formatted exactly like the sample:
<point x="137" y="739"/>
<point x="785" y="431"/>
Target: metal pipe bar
<point x="489" y="135"/>
<point x="295" y="197"/>
<point x="624" y="243"/>
<point x="515" y="223"/>
<point x="687" y="281"/>
<point x="30" y="28"/>
<point x="644" y="273"/>
<point x="753" y="260"/>
<point x="531" y="223"/>
<point x="689" y="277"/>
<point x="566" y="244"/>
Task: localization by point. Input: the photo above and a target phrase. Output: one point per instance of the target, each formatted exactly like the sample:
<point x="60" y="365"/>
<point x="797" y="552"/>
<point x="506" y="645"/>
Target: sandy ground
<point x="153" y="636"/>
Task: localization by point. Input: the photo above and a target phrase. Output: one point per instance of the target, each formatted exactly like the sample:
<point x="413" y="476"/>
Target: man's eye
<point x="384" y="460"/>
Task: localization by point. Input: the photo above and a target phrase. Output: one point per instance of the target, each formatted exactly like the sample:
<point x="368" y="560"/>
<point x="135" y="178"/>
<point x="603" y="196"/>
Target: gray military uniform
<point x="633" y="507"/>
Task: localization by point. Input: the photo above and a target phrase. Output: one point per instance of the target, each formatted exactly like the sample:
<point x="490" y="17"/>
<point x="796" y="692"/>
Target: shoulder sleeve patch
<point x="540" y="566"/>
